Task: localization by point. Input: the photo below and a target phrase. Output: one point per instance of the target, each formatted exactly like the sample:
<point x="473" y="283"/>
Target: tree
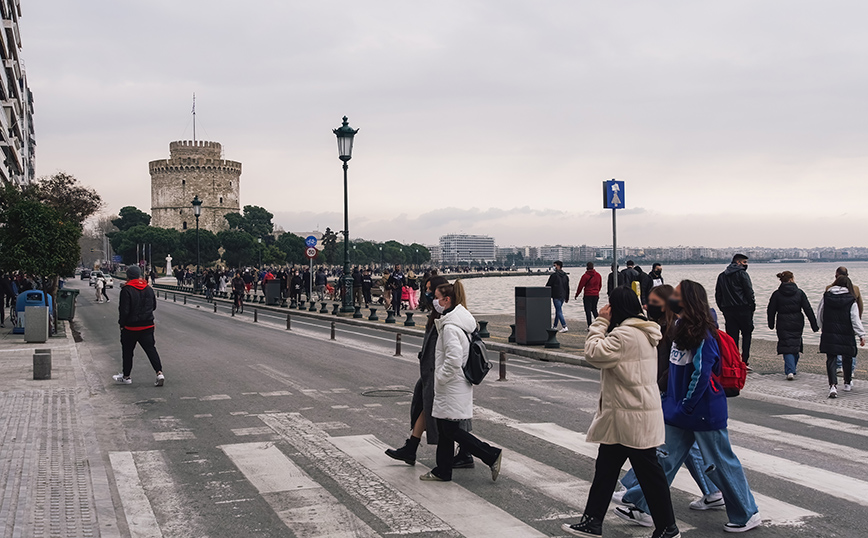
<point x="330" y="252"/>
<point x="62" y="191"/>
<point x="256" y="221"/>
<point x="209" y="248"/>
<point x="162" y="241"/>
<point x="130" y="216"/>
<point x="239" y="248"/>
<point x="293" y="246"/>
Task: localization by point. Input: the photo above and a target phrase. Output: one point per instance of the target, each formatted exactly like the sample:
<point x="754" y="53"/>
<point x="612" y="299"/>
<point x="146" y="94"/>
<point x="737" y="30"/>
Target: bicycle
<point x="237" y="303"/>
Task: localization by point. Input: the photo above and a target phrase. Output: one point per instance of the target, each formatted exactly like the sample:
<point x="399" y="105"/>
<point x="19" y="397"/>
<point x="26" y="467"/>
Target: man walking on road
<point x="735" y="297"/>
<point x="136" y="318"/>
<point x="591" y="282"/>
<point x="559" y="282"/>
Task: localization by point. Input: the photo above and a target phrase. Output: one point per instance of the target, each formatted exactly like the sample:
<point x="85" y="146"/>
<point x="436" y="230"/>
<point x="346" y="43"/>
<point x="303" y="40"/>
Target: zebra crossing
<point x="395" y="502"/>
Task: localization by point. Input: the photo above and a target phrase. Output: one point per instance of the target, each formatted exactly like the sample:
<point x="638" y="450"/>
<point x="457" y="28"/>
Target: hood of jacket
<point x="650" y="329"/>
<point x="733" y="268"/>
<point x="138" y="283"/>
<point x="838" y="290"/>
<point x="789" y="289"/>
<point x="460" y="317"/>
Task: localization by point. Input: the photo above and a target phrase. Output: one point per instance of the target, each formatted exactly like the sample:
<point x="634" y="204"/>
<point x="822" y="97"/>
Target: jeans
<point x="832" y="369"/>
<point x="694" y="463"/>
<point x="590" y="303"/>
<point x="791" y="363"/>
<point x="450" y="431"/>
<point x="740" y="322"/>
<point x="724" y="469"/>
<point x="648" y="472"/>
<point x="144" y="338"/>
<point x="559" y="312"/>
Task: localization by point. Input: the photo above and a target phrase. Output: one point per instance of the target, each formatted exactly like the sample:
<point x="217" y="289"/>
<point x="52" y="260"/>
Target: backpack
<point x="477" y="365"/>
<point x="733" y="371"/>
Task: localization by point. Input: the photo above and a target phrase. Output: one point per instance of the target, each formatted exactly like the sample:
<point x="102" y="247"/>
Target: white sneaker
<point x="752" y="523"/>
<point x="790" y="377"/>
<point x="833" y="392"/>
<point x="712" y="501"/>
<point x="848" y="387"/>
<point x="160" y="380"/>
<point x="634" y="516"/>
<point x="618" y="496"/>
<point x="563" y="330"/>
<point x="119" y="378"/>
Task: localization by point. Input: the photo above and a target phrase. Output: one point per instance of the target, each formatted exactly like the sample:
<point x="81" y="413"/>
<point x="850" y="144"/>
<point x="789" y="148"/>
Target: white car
<point x="109" y="281"/>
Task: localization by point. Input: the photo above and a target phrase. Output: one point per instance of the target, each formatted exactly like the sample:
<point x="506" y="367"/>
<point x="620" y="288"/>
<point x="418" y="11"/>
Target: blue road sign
<point x="310" y="241"/>
<point x="613" y="194"/>
<point x="117" y="258"/>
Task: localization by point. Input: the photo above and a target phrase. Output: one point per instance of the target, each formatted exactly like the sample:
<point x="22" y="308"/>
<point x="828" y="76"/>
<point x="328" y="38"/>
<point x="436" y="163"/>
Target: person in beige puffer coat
<point x="629" y="420"/>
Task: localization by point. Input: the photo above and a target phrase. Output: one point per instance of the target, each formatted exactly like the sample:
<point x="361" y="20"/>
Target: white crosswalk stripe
<point x="825" y="423"/>
<point x="137" y="510"/>
<point x="806" y="443"/>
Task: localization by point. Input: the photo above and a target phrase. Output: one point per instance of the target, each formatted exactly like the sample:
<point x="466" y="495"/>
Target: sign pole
<point x="615" y="247"/>
<point x="310" y="282"/>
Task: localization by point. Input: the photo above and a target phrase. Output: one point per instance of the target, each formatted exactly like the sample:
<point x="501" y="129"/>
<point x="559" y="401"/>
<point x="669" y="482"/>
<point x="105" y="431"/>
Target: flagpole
<point x="194" y="116"/>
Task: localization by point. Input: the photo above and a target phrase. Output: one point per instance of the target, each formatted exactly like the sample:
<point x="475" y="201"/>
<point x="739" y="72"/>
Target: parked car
<point x="85" y="274"/>
<point x="109" y="281"/>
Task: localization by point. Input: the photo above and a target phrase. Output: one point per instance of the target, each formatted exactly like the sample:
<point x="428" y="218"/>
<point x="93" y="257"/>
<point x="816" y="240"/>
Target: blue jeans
<point x="724" y="469"/>
<point x="694" y="463"/>
<point x="791" y="363"/>
<point x="559" y="312"/>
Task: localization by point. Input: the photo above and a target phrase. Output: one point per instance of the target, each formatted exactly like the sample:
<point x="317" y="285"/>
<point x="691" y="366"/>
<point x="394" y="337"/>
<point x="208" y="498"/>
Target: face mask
<point x="429" y="296"/>
<point x="745" y="267"/>
<point x="438" y="307"/>
<point x="655" y="312"/>
<point x="675" y="306"/>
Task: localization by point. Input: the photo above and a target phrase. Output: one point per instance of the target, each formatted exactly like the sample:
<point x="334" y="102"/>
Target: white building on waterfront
<point x="17" y="137"/>
<point x="457" y="248"/>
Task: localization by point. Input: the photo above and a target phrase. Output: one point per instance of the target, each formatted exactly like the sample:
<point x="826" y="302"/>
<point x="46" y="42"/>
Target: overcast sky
<point x="734" y="123"/>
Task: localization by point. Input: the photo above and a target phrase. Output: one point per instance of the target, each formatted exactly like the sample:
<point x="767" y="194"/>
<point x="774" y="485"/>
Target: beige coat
<point x="629" y="412"/>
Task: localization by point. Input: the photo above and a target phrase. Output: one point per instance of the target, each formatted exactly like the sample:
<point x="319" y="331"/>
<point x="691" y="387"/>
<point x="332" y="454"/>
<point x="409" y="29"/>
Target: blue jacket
<point x="694" y="400"/>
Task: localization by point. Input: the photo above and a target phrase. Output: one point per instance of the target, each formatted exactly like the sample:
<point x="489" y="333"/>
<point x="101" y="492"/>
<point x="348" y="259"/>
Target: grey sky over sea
<point x="732" y="122"/>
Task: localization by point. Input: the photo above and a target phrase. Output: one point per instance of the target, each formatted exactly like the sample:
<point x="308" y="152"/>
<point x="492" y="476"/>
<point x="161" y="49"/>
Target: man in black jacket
<point x="735" y="298"/>
<point x="367" y="284"/>
<point x="559" y="282"/>
<point x="136" y="318"/>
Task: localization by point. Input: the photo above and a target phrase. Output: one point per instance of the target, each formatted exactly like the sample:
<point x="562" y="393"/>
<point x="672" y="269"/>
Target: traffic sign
<point x="117" y="258"/>
<point x="311" y="252"/>
<point x="310" y="241"/>
<point x="613" y="194"/>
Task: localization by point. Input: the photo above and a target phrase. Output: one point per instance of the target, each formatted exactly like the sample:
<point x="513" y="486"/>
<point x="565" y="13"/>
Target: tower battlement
<point x="195" y="148"/>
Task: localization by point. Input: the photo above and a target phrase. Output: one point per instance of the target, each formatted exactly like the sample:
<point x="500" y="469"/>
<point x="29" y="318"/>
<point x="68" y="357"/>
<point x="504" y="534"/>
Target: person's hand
<point x="606" y="313"/>
<point x="862" y="341"/>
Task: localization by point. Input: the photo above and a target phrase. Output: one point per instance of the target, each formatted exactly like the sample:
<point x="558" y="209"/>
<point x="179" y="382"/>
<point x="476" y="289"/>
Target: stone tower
<point x="194" y="168"/>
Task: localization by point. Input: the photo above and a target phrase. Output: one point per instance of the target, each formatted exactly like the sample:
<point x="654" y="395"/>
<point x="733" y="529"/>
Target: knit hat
<point x="133" y="272"/>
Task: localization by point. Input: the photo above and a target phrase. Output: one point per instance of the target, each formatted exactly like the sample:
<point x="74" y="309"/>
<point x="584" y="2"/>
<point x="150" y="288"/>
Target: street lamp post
<point x="345" y="135"/>
<point x="259" y="240"/>
<point x="197" y="210"/>
<point x="381" y="259"/>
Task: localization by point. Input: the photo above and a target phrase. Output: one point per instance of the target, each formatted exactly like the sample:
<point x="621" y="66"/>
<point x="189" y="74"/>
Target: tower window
<point x="184" y="225"/>
<point x="230" y="183"/>
<point x="221" y="199"/>
<point x="183" y="182"/>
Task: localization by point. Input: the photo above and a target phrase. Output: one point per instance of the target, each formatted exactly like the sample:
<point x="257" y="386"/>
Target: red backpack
<point x="733" y="371"/>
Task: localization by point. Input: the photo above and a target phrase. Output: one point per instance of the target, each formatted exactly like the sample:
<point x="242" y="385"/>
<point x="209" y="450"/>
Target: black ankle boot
<point x="463" y="460"/>
<point x="406" y="453"/>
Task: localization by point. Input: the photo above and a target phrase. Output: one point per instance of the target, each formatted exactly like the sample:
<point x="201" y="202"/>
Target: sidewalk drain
<point x="386" y="393"/>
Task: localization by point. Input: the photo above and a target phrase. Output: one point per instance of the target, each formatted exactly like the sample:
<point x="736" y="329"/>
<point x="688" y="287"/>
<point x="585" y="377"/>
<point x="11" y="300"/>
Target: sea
<point x="496" y="295"/>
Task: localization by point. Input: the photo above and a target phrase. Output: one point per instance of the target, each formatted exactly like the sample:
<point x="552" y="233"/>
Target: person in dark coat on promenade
<point x="787" y="309"/>
<point x="423" y="396"/>
<point x="839" y="318"/>
<point x="735" y="298"/>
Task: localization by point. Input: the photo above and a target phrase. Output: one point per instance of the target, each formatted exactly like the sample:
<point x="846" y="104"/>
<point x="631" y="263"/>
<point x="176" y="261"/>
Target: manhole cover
<point x="386" y="393"/>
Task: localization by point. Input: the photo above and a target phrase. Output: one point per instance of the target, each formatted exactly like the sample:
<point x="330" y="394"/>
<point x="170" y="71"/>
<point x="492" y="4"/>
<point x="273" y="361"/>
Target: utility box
<point x="272" y="292"/>
<point x="36" y="328"/>
<point x="66" y="303"/>
<point x="533" y="315"/>
<point x="25" y="299"/>
<point x="42" y="364"/>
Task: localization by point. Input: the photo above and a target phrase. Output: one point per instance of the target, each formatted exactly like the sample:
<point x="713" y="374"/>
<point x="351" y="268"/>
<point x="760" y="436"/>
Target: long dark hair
<point x="625" y="305"/>
<point x="845" y="282"/>
<point x="434" y="281"/>
<point x="696" y="321"/>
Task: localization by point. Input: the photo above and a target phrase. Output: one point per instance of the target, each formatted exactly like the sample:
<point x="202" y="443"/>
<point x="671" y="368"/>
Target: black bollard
<point x="293" y="303"/>
<point x="511" y="338"/>
<point x="174" y="298"/>
<point x="390" y="316"/>
<point x="288" y="323"/>
<point x="358" y="313"/>
<point x="255" y="315"/>
<point x="312" y="307"/>
<point x="262" y="299"/>
<point x="398" y="344"/>
<point x="185" y="299"/>
<point x="215" y="307"/>
<point x="552" y="342"/>
<point x="483" y="329"/>
<point x="301" y="304"/>
<point x="409" y="322"/>
<point x="333" y="330"/>
<point x="336" y="309"/>
<point x="502" y="366"/>
<point x="324" y="309"/>
<point x="373" y="316"/>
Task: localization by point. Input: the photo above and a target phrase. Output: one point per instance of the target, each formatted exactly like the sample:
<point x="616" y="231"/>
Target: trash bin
<point x="533" y="315"/>
<point x="66" y="303"/>
<point x="25" y="299"/>
<point x="272" y="292"/>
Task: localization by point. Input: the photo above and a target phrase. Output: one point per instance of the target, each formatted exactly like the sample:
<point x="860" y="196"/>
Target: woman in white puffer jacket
<point x="453" y="394"/>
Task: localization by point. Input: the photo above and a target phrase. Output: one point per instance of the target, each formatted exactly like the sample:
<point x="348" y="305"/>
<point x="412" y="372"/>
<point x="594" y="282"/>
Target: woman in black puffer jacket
<point x="787" y="304"/>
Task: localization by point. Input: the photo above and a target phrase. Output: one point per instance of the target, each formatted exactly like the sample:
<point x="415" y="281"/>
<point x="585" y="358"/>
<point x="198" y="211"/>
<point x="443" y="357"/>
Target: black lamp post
<point x="345" y="135"/>
<point x="197" y="210"/>
<point x="259" y="240"/>
<point x="381" y="259"/>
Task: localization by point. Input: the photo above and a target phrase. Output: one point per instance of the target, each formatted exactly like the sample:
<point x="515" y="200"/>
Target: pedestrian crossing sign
<point x="613" y="194"/>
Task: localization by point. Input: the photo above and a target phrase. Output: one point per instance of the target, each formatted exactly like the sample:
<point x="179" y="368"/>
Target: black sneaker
<point x="463" y="461"/>
<point x="587" y="527"/>
<point x="669" y="532"/>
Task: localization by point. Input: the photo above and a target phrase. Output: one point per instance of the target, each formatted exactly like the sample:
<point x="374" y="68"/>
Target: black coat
<point x="136" y="306"/>
<point x="785" y="313"/>
<point x="734" y="289"/>
<point x="559" y="282"/>
<point x="838" y="336"/>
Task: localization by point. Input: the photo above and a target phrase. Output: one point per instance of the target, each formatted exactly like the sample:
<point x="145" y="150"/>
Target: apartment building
<point x="17" y="138"/>
<point x="457" y="248"/>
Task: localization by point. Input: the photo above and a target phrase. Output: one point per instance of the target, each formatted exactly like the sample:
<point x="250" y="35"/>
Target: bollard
<point x="324" y="309"/>
<point x="293" y="303"/>
<point x="312" y="307"/>
<point x="409" y="322"/>
<point x="233" y="311"/>
<point x="185" y="299"/>
<point x="255" y="315"/>
<point x="358" y="313"/>
<point x="262" y="299"/>
<point x="174" y="297"/>
<point x="42" y="364"/>
<point x="373" y="316"/>
<point x="398" y="344"/>
<point x="552" y="342"/>
<point x="215" y="307"/>
<point x="333" y="330"/>
<point x="301" y="304"/>
<point x="283" y="303"/>
<point x="336" y="309"/>
<point x="502" y="366"/>
<point x="511" y="338"/>
<point x="288" y="323"/>
<point x="390" y="316"/>
<point x="483" y="329"/>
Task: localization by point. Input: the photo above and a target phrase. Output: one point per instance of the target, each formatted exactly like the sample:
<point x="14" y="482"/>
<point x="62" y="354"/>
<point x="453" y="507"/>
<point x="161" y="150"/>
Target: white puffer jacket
<point x="453" y="394"/>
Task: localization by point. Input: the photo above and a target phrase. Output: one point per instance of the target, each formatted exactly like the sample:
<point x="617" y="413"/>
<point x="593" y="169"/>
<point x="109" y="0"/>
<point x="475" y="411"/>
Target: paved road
<point x="264" y="432"/>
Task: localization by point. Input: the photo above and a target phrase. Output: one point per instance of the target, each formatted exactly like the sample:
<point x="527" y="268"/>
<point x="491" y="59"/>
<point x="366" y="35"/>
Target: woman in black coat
<point x="787" y="304"/>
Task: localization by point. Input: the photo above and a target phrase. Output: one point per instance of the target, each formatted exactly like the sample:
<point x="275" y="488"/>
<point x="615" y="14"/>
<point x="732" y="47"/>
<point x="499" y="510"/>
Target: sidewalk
<point x="49" y="461"/>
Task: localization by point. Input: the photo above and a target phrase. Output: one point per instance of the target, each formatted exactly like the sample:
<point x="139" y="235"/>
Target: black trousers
<point x="832" y="368"/>
<point x="367" y="294"/>
<point x="740" y="323"/>
<point x="396" y="302"/>
<point x="649" y="473"/>
<point x="449" y="432"/>
<point x="590" y="303"/>
<point x="145" y="338"/>
<point x="104" y="294"/>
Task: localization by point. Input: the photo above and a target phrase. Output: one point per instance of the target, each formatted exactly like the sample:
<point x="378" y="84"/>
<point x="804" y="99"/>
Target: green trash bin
<point x="66" y="303"/>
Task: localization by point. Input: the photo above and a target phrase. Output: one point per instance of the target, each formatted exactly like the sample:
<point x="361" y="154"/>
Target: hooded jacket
<point x="734" y="289"/>
<point x="559" y="282"/>
<point x="591" y="282"/>
<point x="785" y="314"/>
<point x="694" y="400"/>
<point x="839" y="318"/>
<point x="629" y="411"/>
<point x="453" y="394"/>
<point x="136" y="306"/>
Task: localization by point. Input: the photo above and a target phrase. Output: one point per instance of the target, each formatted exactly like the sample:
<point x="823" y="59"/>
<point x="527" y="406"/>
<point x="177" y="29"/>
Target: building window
<point x="221" y="199"/>
<point x="184" y="225"/>
<point x="183" y="182"/>
<point x="230" y="183"/>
